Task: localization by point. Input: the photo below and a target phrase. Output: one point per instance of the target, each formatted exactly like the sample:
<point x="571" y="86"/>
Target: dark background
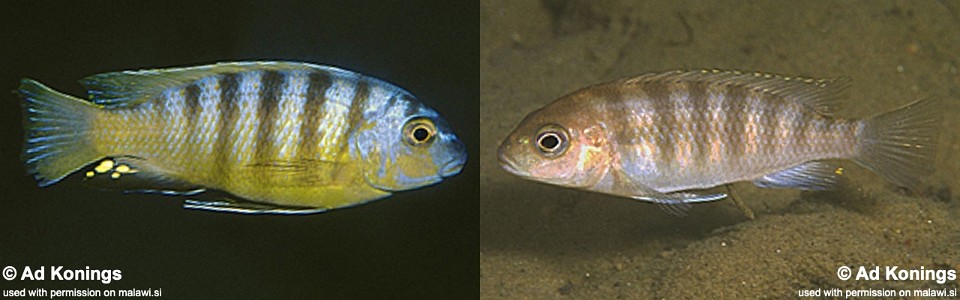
<point x="413" y="245"/>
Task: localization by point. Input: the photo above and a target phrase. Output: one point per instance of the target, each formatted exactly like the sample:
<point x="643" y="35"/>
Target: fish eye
<point x="419" y="131"/>
<point x="551" y="140"/>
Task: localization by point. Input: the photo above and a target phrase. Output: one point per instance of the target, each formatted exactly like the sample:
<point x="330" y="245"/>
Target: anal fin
<point x="813" y="175"/>
<point x="247" y="207"/>
<point x="135" y="175"/>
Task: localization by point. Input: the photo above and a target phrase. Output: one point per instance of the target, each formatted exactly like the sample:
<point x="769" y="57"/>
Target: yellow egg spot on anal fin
<point x="90" y="174"/>
<point x="104" y="166"/>
<point x="124" y="169"/>
<point x="115" y="175"/>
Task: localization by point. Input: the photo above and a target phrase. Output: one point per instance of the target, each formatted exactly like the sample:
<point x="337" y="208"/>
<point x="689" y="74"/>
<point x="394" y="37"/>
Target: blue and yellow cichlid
<point x="661" y="137"/>
<point x="279" y="137"/>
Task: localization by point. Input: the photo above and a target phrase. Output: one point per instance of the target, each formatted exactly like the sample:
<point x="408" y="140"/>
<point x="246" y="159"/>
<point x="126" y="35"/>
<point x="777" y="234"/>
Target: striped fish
<point x="278" y="137"/>
<point x="660" y="137"/>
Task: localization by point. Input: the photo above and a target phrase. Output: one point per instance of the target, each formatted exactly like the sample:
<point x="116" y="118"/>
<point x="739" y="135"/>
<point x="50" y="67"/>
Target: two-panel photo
<point x="584" y="149"/>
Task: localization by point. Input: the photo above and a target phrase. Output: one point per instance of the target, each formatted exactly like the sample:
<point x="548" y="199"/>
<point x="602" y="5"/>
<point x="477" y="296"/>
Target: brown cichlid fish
<point x="278" y="137"/>
<point x="659" y="137"/>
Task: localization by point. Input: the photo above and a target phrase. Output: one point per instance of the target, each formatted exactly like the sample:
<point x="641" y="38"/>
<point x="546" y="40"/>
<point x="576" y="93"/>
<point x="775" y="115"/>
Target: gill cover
<point x="408" y="146"/>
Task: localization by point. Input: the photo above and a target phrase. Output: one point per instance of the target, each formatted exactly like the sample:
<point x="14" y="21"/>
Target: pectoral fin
<point x="300" y="172"/>
<point x="247" y="207"/>
<point x="679" y="203"/>
<point x="814" y="175"/>
<point x="676" y="204"/>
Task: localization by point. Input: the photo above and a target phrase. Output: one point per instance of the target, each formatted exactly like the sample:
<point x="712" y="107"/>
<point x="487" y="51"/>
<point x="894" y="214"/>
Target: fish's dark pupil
<point x="420" y="134"/>
<point x="549" y="141"/>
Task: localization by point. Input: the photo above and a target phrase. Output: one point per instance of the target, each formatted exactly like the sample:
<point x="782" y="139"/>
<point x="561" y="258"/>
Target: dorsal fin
<point x="821" y="95"/>
<point x="128" y="88"/>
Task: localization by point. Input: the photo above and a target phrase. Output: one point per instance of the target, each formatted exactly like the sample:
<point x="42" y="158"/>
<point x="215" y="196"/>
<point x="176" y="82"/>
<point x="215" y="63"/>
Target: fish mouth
<point x="507" y="164"/>
<point x="455" y="165"/>
<point x="452" y="168"/>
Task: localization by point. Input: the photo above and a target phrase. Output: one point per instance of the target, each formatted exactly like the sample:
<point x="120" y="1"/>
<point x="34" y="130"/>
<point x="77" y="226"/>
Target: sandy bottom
<point x="546" y="242"/>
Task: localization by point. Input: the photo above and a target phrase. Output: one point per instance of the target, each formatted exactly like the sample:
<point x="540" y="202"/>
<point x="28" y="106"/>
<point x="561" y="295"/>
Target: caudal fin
<point x="55" y="127"/>
<point x="900" y="145"/>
